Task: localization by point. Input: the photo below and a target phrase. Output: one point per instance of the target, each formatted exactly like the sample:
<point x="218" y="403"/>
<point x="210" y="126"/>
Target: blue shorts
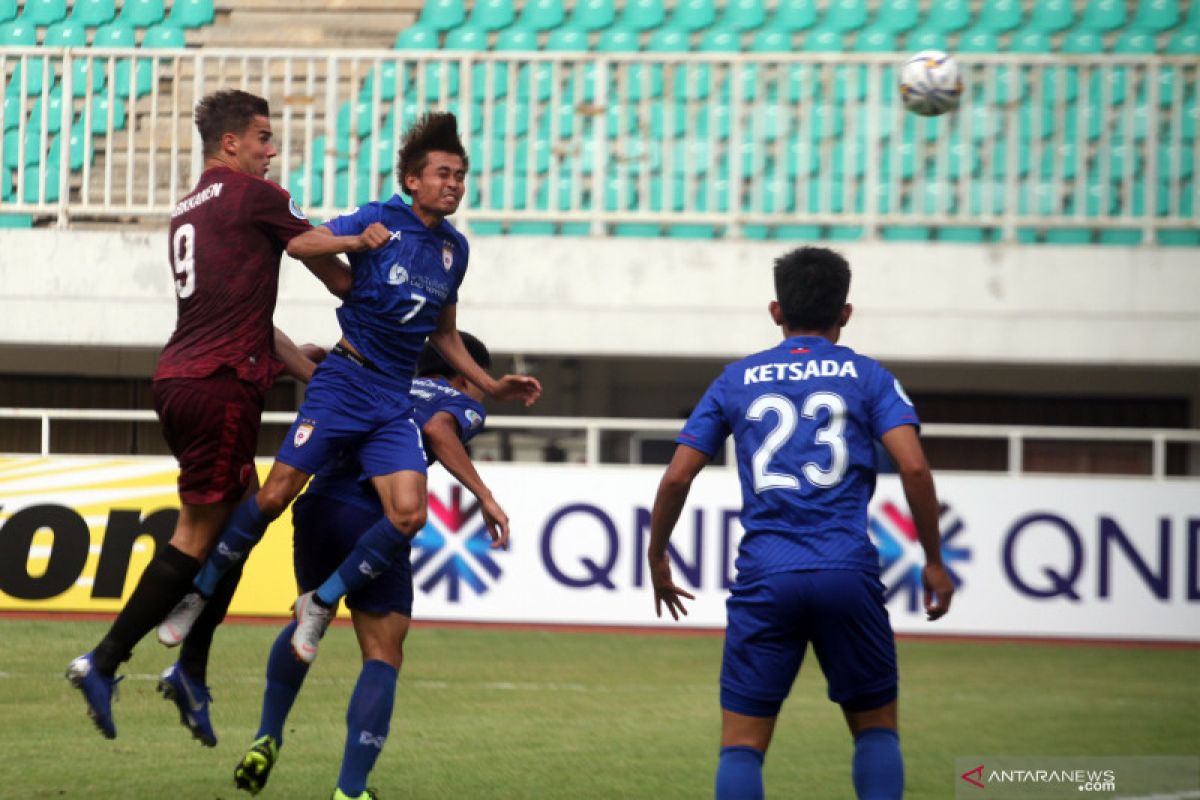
<point x="326" y="530"/>
<point x="347" y="408"/>
<point x="773" y="619"/>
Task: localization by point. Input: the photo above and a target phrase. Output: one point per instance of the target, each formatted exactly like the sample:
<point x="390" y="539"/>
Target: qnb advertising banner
<point x="1033" y="556"/>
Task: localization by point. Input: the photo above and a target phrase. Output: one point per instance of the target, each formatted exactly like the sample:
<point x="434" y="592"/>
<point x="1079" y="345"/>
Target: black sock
<point x="193" y="656"/>
<point x="168" y="577"/>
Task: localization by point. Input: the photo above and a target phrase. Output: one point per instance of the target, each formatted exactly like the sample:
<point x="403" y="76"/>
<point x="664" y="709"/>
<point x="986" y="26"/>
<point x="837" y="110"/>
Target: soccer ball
<point x="930" y="83"/>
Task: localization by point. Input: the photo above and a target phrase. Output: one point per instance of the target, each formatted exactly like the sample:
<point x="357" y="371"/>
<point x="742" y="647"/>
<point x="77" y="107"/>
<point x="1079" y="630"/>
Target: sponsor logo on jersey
<point x="303" y="434"/>
<point x="232" y="555"/>
<point x="372" y="739"/>
<point x="901" y="556"/>
<point x="295" y="209"/>
<point x="397" y="274"/>
<point x="447" y="255"/>
<point x="366" y="569"/>
<point x="474" y="418"/>
<point x="454" y="548"/>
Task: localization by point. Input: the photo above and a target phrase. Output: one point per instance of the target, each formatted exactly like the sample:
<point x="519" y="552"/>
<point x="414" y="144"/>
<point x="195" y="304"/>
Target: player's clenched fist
<point x="375" y="235"/>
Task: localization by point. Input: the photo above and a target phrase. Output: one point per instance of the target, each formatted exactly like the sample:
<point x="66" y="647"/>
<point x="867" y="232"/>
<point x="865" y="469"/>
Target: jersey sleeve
<point x="890" y="405"/>
<point x="272" y="208"/>
<point x="707" y="427"/>
<point x="469" y="415"/>
<point x="355" y="222"/>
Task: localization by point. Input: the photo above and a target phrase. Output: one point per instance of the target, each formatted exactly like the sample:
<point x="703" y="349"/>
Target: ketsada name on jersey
<point x="799" y="371"/>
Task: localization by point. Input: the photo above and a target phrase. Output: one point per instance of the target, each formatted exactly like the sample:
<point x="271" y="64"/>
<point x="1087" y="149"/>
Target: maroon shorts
<point x="211" y="425"/>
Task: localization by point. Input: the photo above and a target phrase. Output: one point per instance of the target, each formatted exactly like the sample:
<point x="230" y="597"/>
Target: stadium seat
<point x="794" y="15"/>
<point x="926" y="39"/>
<point x="978" y="40"/>
<point x="34" y="178"/>
<point x="378" y="146"/>
<point x="1052" y="16"/>
<point x="13" y="112"/>
<point x="1176" y="162"/>
<point x="44" y="12"/>
<point x="643" y="15"/>
<point x="8" y="11"/>
<point x="306" y="191"/>
<point x="948" y="16"/>
<point x="999" y="16"/>
<point x="416" y="37"/>
<point x="541" y="15"/>
<point x="1101" y="16"/>
<point x="12" y="148"/>
<point x="100" y="110"/>
<point x="492" y="15"/>
<point x="1182" y="42"/>
<point x="164" y="37"/>
<point x="66" y="33"/>
<point x="92" y="13"/>
<point x="1062" y="161"/>
<point x="190" y="14"/>
<point x="592" y="15"/>
<point x="1155" y="16"/>
<point x="52" y="100"/>
<point x="442" y="15"/>
<point x="875" y="40"/>
<point x="693" y="15"/>
<point x="81" y="148"/>
<point x="896" y="16"/>
<point x="141" y="13"/>
<point x="844" y="16"/>
<point x="20" y="33"/>
<point x="823" y="40"/>
<point x="743" y="15"/>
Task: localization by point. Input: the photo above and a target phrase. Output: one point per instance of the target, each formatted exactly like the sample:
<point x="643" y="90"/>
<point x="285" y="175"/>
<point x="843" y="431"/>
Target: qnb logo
<point x="454" y="548"/>
<point x="366" y="569"/>
<point x="900" y="551"/>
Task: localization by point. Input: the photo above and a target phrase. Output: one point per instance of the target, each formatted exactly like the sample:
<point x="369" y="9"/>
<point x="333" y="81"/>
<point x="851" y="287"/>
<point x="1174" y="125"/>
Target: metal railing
<point x="730" y="144"/>
<point x="589" y="431"/>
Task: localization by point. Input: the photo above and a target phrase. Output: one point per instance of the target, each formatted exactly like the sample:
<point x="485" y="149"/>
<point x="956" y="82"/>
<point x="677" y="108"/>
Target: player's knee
<point x="408" y="520"/>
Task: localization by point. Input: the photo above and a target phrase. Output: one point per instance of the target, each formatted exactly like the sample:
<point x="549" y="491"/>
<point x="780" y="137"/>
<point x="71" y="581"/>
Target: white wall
<point x="918" y="303"/>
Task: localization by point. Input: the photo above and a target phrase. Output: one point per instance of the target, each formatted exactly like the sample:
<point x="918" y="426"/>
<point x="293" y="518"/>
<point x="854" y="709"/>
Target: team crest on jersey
<point x="303" y="434"/>
<point x="447" y="255"/>
<point x="295" y="209"/>
<point x="397" y="275"/>
<point x="474" y="418"/>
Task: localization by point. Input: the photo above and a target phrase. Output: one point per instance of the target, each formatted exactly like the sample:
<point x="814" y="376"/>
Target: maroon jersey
<point x="226" y="240"/>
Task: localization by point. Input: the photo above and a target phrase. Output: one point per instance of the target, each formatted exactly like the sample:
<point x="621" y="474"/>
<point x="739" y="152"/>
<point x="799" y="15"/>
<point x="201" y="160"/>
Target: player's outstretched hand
<point x="665" y="590"/>
<point x="939" y="588"/>
<point x="376" y="235"/>
<point x="518" y="387"/>
<point x="314" y="352"/>
<point x="496" y="521"/>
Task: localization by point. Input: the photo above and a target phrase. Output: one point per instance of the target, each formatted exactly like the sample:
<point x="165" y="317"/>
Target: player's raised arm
<point x="441" y="437"/>
<point x="904" y="447"/>
<point x="673" y="492"/>
<point x="321" y="241"/>
<point x="448" y="342"/>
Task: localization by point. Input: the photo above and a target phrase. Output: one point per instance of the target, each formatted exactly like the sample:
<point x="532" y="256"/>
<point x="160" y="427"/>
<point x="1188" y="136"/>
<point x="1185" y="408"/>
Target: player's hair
<point x="227" y="111"/>
<point x="434" y="131"/>
<point x="811" y="284"/>
<point x="431" y="362"/>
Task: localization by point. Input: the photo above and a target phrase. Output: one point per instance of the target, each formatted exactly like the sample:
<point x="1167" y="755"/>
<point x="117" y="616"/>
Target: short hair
<point x="227" y="111"/>
<point x="811" y="285"/>
<point x="434" y="131"/>
<point x="431" y="362"/>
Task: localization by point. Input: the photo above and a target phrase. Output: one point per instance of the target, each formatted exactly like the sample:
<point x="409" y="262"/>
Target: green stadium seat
<point x="66" y="33"/>
<point x="978" y="40"/>
<point x="926" y="39"/>
<point x="1052" y="16"/>
<point x="164" y="37"/>
<point x="794" y="15"/>
<point x="541" y="15"/>
<point x="13" y="111"/>
<point x="875" y="40"/>
<point x="387" y="80"/>
<point x="693" y="15"/>
<point x="642" y="15"/>
<point x="1069" y="236"/>
<point x="1102" y="16"/>
<point x="20" y="33"/>
<point x="963" y="159"/>
<point x="115" y="34"/>
<point x="34" y="180"/>
<point x="1000" y="163"/>
<point x="1182" y="42"/>
<point x="44" y="12"/>
<point x="1176" y="162"/>
<point x="1030" y="40"/>
<point x="8" y="11"/>
<point x="416" y="37"/>
<point x="565" y="39"/>
<point x="1156" y="16"/>
<point x="52" y="100"/>
<point x="503" y="125"/>
<point x="492" y="15"/>
<point x="92" y="13"/>
<point x="119" y="34"/>
<point x="823" y="40"/>
<point x="442" y="15"/>
<point x="381" y="148"/>
<point x="999" y="16"/>
<point x="592" y="15"/>
<point x="845" y="16"/>
<point x="100" y="110"/>
<point x="1062" y="161"/>
<point x="141" y="13"/>
<point x="12" y="155"/>
<point x="355" y="119"/>
<point x="306" y="191"/>
<point x="743" y="15"/>
<point x="896" y="16"/>
<point x="191" y="14"/>
<point x="906" y="233"/>
<point x="948" y="16"/>
<point x="986" y="198"/>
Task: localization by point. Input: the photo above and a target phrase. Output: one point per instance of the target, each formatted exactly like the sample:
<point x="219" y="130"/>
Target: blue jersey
<point x="397" y="291"/>
<point x="342" y="479"/>
<point x="804" y="416"/>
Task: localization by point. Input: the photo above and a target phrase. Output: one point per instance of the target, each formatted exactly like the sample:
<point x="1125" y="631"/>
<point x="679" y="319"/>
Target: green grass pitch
<point x="501" y="713"/>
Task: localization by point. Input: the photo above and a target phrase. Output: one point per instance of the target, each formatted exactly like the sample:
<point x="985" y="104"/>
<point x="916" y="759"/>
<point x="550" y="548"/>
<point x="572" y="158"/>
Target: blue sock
<point x="739" y="774"/>
<point x="878" y="765"/>
<point x="244" y="530"/>
<point x="368" y="718"/>
<point x="285" y="676"/>
<point x="372" y="554"/>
